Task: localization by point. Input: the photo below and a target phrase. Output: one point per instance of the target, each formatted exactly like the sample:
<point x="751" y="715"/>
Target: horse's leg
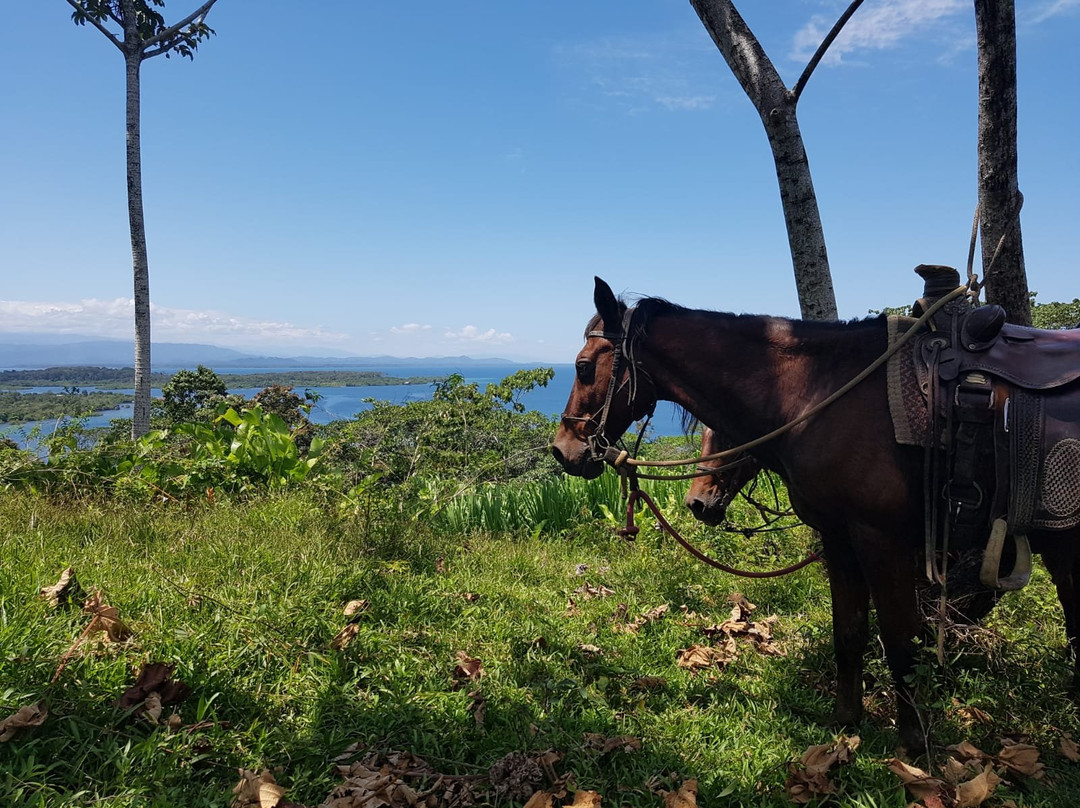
<point x="850" y="617"/>
<point x="1064" y="565"/>
<point x="889" y="568"/>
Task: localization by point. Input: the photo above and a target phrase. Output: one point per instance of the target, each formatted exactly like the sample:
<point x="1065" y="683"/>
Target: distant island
<point x="124" y="378"/>
<point x="16" y="407"/>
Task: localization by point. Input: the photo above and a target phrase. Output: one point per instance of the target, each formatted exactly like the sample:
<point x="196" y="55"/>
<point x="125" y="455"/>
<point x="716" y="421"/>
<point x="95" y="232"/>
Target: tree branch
<point x="742" y="51"/>
<point x="164" y="36"/>
<point x="824" y="46"/>
<point x="108" y="34"/>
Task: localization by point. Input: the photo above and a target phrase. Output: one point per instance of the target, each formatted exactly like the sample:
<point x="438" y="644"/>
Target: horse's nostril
<point x="557" y="454"/>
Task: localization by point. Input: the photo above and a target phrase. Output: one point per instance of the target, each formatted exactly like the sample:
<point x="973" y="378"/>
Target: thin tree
<point x="776" y="105"/>
<point x="999" y="193"/>
<point x="139" y="31"/>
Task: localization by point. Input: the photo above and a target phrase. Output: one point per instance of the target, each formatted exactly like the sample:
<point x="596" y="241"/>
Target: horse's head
<point x="606" y="397"/>
<point x="709" y="496"/>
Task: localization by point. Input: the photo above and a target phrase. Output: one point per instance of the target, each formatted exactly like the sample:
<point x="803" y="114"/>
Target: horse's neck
<point x="746" y="376"/>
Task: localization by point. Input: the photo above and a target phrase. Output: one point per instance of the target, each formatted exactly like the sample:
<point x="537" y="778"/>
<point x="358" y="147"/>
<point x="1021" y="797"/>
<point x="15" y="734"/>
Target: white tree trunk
<point x="140" y="421"/>
<point x="776" y="104"/>
<point x="999" y="194"/>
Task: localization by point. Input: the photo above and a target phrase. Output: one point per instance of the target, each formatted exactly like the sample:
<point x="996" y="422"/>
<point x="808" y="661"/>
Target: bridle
<point x="600" y="448"/>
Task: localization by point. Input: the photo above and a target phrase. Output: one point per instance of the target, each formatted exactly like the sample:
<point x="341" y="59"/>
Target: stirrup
<point x="1021" y="571"/>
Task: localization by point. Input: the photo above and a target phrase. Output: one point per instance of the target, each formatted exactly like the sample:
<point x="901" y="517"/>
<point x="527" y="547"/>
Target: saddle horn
<point x="990" y="571"/>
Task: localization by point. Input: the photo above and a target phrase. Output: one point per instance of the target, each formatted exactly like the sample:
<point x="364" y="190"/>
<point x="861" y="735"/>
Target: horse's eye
<point x="585" y="370"/>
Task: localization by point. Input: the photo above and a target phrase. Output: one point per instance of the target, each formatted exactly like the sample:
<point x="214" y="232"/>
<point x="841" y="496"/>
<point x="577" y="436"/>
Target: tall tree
<point x="999" y="194"/>
<point x="776" y="105"/>
<point x="139" y="31"/>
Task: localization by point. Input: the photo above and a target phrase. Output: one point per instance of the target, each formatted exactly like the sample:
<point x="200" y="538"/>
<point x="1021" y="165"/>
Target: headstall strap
<point x="598" y="442"/>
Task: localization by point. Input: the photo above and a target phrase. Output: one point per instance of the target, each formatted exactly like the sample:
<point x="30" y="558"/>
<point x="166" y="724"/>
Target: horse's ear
<point x="607" y="305"/>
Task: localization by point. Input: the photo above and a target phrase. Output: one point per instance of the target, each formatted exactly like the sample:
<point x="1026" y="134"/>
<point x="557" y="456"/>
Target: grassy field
<point x="245" y="600"/>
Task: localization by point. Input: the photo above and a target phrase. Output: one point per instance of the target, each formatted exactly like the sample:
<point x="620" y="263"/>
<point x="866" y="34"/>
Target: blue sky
<point x="439" y="179"/>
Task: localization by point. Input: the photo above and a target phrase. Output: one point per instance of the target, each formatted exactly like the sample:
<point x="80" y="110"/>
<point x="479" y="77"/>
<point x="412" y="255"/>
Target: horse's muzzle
<point x="577" y="460"/>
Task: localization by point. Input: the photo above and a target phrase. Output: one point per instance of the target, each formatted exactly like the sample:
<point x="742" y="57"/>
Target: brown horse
<point x="846" y="475"/>
<point x="711" y="494"/>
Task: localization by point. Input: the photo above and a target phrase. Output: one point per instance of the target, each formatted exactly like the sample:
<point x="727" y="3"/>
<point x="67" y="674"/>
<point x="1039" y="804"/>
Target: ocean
<point x="344" y="402"/>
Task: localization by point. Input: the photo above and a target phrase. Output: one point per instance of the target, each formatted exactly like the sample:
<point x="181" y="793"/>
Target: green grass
<point x="245" y="599"/>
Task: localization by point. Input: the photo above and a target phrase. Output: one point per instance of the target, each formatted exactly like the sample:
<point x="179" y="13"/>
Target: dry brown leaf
<point x="1068" y="748"/>
<point x="809" y="777"/>
<point x="802" y="787"/>
<point x="920" y="784"/>
<point x="342" y="639"/>
<point x="970" y="715"/>
<point x="64" y="590"/>
<point x="590" y="650"/>
<point x="976" y="791"/>
<point x="1021" y="758"/>
<point x="259" y="790"/>
<point x="965" y="751"/>
<point x="588" y="591"/>
<point x="541" y="799"/>
<point x="604" y="744"/>
<point x="586" y="799"/>
<point x="355" y="608"/>
<point x="32" y="715"/>
<point x="154" y="689"/>
<point x="697" y="657"/>
<point x="685" y="797"/>
<point x="467" y="668"/>
<point x="644" y="618"/>
<point x="954" y="771"/>
<point x="477" y="706"/>
<point x="106" y="618"/>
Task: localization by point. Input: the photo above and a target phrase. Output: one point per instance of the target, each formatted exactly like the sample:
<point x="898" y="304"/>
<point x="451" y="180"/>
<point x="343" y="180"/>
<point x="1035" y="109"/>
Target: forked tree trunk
<point x="776" y="104"/>
<point x="999" y="195"/>
<point x="140" y="421"/>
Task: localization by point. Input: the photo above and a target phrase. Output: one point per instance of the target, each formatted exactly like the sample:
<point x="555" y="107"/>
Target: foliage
<point x="149" y="24"/>
<point x="238" y="452"/>
<point x="462" y="433"/>
<point x="192" y="395"/>
<point x="20" y="407"/>
<point x="1055" y="315"/>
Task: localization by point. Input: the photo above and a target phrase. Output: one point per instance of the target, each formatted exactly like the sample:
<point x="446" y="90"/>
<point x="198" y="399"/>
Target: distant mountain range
<point x="21" y="351"/>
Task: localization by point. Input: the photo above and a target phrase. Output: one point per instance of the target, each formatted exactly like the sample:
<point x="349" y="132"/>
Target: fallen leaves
<point x="153" y="690"/>
<point x="602" y="744"/>
<point x="968" y="776"/>
<point x="32" y="715"/>
<point x="106" y="619"/>
<point x="65" y="590"/>
<point x="467" y="669"/>
<point x="683" y="797"/>
<point x="257" y="790"/>
<point x="698" y="657"/>
<point x="646" y="617"/>
<point x="809" y="777"/>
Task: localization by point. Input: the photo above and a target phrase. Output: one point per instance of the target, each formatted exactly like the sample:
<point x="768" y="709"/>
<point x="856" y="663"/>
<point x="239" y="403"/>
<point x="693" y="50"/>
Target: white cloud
<point x="409" y="328"/>
<point x="471" y="333"/>
<point x="1054" y="8"/>
<point x="876" y="27"/>
<point x="640" y="73"/>
<point x="114" y="318"/>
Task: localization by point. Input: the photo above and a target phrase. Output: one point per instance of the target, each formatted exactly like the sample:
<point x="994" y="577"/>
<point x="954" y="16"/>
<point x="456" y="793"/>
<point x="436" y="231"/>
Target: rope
<point x="631" y="530"/>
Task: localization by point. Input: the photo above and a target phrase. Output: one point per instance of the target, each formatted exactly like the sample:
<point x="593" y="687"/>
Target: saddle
<point x="1001" y="414"/>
